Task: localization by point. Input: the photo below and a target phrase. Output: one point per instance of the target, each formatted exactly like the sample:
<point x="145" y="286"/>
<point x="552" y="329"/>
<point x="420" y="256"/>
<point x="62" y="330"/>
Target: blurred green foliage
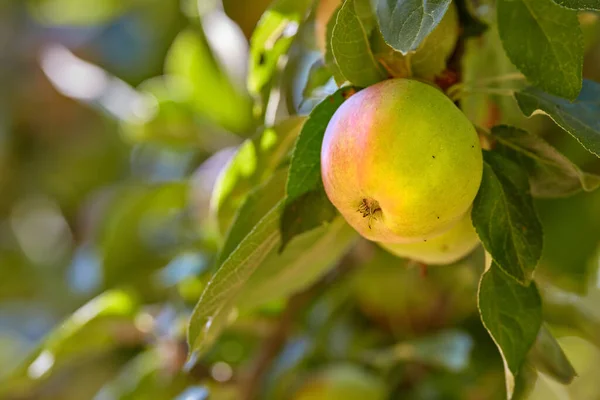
<point x="117" y="121"/>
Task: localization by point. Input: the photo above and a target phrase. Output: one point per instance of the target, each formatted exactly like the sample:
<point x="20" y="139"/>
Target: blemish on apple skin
<point x="369" y="208"/>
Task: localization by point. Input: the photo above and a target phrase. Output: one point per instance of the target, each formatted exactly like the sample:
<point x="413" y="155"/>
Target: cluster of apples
<point x="403" y="165"/>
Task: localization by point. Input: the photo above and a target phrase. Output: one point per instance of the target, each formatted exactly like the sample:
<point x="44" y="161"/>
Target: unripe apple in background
<point x="342" y="382"/>
<point x="409" y="303"/>
<point x="401" y="162"/>
<point x="446" y="248"/>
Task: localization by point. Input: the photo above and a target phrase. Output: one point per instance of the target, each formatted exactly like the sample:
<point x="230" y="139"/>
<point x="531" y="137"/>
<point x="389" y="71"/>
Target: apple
<point x="342" y="382"/>
<point x="446" y="248"/>
<point x="401" y="162"/>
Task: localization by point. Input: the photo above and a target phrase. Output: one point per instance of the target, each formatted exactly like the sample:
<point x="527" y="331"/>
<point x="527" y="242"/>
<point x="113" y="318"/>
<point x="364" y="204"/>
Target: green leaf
<point x="252" y="165"/>
<point x="405" y="23"/>
<point x="305" y="168"/>
<point x="305" y="260"/>
<point x="215" y="307"/>
<point x="307" y="212"/>
<point x="258" y="203"/>
<point x="449" y="349"/>
<point x="512" y="314"/>
<point x="548" y="357"/>
<point x="579" y="118"/>
<point x="551" y="174"/>
<point x="106" y="322"/>
<point x="350" y="47"/>
<point x="431" y="56"/>
<point x="329" y="58"/>
<point x="318" y="76"/>
<point x="545" y="42"/>
<point x="307" y="206"/>
<point x="272" y="38"/>
<point x="505" y="218"/>
<point x="579" y="4"/>
<point x="204" y="85"/>
<point x="525" y="382"/>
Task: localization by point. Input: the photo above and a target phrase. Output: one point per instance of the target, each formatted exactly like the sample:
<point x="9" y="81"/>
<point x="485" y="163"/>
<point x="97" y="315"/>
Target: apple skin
<point x="401" y="162"/>
<point x="447" y="248"/>
<point x="342" y="382"/>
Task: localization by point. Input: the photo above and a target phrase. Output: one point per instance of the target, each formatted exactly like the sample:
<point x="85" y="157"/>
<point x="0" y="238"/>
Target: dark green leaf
<point x="253" y="163"/>
<point x="512" y="314"/>
<point x="213" y="310"/>
<point x="579" y="118"/>
<point x="307" y="212"/>
<point x="548" y="357"/>
<point x="579" y="4"/>
<point x="329" y="58"/>
<point x="305" y="169"/>
<point x="405" y="23"/>
<point x="545" y="42"/>
<point x="307" y="206"/>
<point x="305" y="259"/>
<point x="505" y="219"/>
<point x="551" y="174"/>
<point x="350" y="47"/>
<point x="272" y="38"/>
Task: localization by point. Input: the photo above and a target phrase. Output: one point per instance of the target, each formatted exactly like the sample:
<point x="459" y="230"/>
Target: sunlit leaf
<point x="203" y="83"/>
<point x="215" y="306"/>
<point x="254" y="162"/>
<point x="306" y="259"/>
<point x="272" y="38"/>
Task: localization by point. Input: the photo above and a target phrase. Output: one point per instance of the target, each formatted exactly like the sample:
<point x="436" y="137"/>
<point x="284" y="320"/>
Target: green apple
<point x="401" y="162"/>
<point x="446" y="248"/>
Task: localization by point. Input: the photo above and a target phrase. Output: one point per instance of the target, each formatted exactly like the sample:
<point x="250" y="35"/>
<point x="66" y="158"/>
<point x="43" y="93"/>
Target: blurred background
<point x="115" y="120"/>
